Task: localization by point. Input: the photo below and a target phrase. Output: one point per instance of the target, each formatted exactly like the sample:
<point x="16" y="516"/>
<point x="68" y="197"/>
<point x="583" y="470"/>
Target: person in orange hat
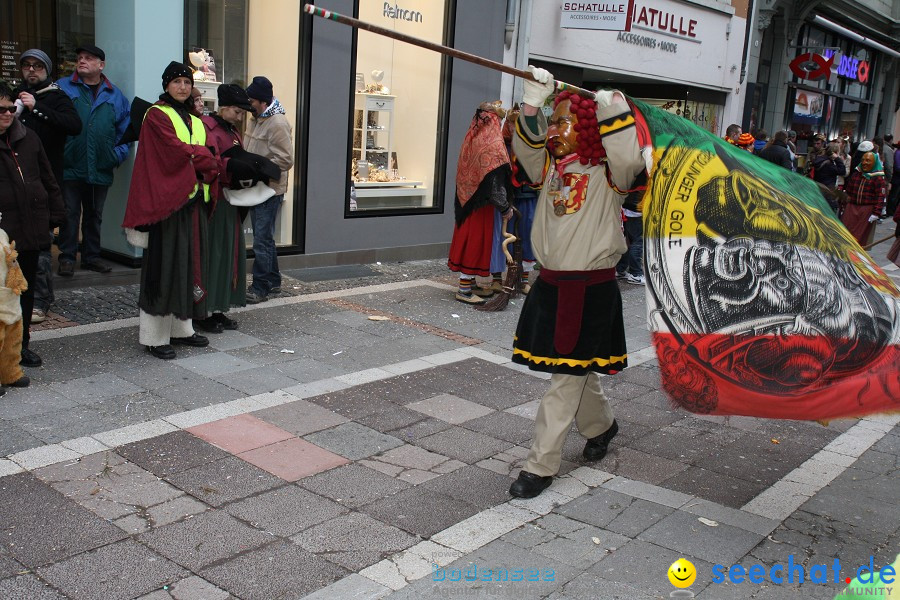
<point x="746" y="141"/>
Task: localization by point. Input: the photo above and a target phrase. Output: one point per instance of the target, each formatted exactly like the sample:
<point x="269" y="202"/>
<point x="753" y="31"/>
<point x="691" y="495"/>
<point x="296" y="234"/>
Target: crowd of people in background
<point x="861" y="183"/>
<point x="60" y="144"/>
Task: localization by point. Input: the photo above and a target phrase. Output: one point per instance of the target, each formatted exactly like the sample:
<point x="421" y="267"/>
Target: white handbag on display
<point x="251" y="196"/>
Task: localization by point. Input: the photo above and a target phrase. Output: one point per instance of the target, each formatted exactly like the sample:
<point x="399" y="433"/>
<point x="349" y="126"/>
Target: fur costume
<point x="10" y="312"/>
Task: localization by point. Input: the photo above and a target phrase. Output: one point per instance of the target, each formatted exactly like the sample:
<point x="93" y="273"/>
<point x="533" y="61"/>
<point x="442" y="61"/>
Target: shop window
<point x="24" y="24"/>
<point x="853" y="119"/>
<point x="215" y="44"/>
<point x="396" y="116"/>
<point x="74" y="26"/>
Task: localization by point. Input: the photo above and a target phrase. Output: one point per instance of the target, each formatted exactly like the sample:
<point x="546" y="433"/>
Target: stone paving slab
<point x="116" y="572"/>
<point x="381" y="515"/>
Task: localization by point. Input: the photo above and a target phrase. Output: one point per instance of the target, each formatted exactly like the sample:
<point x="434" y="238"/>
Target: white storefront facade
<point x="683" y="55"/>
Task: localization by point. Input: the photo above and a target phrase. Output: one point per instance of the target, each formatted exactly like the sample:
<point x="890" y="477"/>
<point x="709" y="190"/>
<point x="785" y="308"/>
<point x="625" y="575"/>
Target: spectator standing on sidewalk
<point x="269" y="135"/>
<point x="30" y="202"/>
<point x="90" y="158"/>
<point x="895" y="184"/>
<point x="167" y="216"/>
<point x="48" y="112"/>
<point x="631" y="265"/>
<point x="777" y="151"/>
<point x="228" y="254"/>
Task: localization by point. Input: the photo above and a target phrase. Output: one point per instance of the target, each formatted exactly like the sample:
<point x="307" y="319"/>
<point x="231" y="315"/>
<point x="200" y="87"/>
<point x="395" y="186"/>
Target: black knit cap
<point x="176" y="69"/>
<point x="231" y="94"/>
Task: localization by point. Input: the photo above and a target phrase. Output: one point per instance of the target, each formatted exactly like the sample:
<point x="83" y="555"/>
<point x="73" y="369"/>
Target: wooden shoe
<point x="469" y="298"/>
<point x="483" y="292"/>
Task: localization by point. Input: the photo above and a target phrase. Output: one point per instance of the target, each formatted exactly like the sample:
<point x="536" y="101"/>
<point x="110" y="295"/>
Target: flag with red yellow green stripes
<point x="759" y="300"/>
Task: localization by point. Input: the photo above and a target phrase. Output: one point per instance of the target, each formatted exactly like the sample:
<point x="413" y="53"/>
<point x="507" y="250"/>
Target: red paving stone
<point x="240" y="434"/>
<point x="293" y="459"/>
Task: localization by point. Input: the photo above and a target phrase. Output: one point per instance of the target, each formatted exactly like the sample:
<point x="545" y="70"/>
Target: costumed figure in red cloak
<point x="239" y="175"/>
<point x="483" y="186"/>
<point x="167" y="216"/>
<point x="866" y="192"/>
<point x="571" y="324"/>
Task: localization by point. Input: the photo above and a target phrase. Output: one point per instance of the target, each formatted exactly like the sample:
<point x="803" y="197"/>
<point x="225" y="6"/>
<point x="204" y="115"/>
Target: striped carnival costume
<point x="571" y="324"/>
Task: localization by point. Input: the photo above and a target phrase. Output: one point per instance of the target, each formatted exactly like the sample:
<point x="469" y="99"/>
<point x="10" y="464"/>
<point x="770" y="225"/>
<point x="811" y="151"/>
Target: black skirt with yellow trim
<point x="601" y="343"/>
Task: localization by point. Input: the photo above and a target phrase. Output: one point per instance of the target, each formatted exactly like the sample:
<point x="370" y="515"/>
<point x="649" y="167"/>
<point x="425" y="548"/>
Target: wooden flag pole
<point x="472" y="58"/>
<point x="890" y="237"/>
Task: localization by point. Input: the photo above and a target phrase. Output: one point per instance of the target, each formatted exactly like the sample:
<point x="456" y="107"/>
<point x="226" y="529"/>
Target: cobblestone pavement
<point x="319" y="453"/>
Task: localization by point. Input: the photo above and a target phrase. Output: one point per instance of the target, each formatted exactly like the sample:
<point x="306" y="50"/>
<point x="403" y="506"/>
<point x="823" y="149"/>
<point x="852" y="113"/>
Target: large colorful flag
<point x="759" y="300"/>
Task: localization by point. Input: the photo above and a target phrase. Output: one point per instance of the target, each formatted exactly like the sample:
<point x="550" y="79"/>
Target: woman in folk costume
<point x="866" y="192"/>
<point x="167" y="216"/>
<point x="571" y="324"/>
<point x="228" y="254"/>
<point x="482" y="184"/>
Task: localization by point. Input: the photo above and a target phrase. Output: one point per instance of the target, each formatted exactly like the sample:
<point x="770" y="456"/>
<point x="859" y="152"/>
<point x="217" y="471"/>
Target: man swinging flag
<point x="760" y="301"/>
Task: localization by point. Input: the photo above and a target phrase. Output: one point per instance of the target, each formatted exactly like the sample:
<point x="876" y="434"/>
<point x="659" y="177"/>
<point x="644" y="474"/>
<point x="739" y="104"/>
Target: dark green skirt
<point x="176" y="250"/>
<point x="227" y="260"/>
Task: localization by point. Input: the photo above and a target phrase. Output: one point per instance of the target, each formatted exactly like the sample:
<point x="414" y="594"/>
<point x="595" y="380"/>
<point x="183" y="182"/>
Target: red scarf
<point x="482" y="151"/>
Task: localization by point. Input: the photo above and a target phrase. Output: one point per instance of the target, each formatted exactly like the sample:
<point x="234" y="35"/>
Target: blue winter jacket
<point x="92" y="155"/>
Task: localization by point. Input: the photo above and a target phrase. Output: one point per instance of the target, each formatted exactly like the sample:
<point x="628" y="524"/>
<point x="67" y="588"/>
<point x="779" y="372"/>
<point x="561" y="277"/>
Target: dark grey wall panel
<point x="479" y="30"/>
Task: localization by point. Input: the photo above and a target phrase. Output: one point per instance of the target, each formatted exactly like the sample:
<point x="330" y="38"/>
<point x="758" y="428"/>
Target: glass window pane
<point x="397" y="101"/>
<point x="215" y="43"/>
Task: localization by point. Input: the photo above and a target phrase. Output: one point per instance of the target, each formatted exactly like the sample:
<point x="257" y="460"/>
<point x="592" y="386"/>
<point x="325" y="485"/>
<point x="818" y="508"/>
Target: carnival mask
<point x="561" y="135"/>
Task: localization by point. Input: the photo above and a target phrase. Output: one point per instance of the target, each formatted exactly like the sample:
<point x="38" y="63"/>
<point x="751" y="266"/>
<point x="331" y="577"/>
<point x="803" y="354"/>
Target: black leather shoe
<point x="229" y="324"/>
<point x="209" y="325"/>
<point x="30" y="359"/>
<point x="164" y="352"/>
<point x="196" y="340"/>
<point x="66" y="268"/>
<point x="596" y="447"/>
<point x="22" y="381"/>
<point x="529" y="485"/>
<point x="96" y="267"/>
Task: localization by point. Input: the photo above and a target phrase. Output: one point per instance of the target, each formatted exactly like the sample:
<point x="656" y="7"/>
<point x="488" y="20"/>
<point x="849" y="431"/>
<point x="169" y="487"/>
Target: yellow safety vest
<point x="196" y="137"/>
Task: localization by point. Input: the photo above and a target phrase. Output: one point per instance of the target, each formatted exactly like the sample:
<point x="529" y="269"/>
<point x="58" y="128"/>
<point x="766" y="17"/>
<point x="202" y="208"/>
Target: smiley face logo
<point x="682" y="573"/>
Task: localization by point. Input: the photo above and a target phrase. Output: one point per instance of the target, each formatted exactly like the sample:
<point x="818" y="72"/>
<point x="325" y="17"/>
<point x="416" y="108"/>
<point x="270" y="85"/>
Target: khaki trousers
<point x="157" y="331"/>
<point x="10" y="352"/>
<point x="570" y="397"/>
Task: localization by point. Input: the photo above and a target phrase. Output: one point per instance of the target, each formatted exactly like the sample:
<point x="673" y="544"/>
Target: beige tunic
<point x="589" y="235"/>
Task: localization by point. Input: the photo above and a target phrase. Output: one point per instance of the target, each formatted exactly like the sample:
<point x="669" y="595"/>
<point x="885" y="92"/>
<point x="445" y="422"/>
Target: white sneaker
<point x="634" y="279"/>
<point x="38" y="315"/>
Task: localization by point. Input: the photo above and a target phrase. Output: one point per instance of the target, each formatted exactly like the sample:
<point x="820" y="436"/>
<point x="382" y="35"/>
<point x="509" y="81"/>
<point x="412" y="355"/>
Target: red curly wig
<point x="587" y="134"/>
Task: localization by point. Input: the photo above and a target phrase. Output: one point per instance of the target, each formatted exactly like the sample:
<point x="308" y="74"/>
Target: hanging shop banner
<point x="808" y="107"/>
<point x="759" y="300"/>
<point x="607" y="16"/>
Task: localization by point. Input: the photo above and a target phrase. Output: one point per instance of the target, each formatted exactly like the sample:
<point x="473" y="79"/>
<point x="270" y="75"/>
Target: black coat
<point x="54" y="117"/>
<point x="30" y="201"/>
<point x="778" y="153"/>
<point x="827" y="170"/>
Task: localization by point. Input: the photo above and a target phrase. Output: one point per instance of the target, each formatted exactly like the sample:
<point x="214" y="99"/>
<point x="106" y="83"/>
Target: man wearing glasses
<point x="90" y="157"/>
<point x="48" y="112"/>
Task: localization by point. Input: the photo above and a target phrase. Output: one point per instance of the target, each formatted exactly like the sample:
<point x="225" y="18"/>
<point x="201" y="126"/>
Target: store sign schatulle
<point x="607" y="16"/>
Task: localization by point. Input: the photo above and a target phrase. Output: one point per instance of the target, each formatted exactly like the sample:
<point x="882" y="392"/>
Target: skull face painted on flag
<point x="761" y="303"/>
